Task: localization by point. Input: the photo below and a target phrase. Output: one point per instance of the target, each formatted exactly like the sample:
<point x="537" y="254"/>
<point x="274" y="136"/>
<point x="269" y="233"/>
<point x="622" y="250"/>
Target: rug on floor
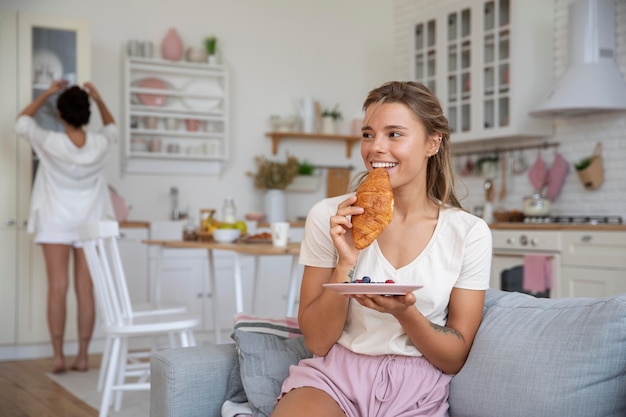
<point x="83" y="385"/>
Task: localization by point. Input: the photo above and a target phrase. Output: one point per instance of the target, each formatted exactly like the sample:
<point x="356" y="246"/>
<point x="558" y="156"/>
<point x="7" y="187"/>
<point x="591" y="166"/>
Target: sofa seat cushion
<point x="544" y="358"/>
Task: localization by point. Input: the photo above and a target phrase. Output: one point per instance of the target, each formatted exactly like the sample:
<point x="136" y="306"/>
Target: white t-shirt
<point x="458" y="255"/>
<point x="69" y="187"/>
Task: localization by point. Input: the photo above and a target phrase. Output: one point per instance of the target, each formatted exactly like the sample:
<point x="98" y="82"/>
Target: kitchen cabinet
<point x="176" y="116"/>
<point x="8" y="180"/>
<point x="8" y="283"/>
<point x="134" y="254"/>
<point x="488" y="62"/>
<point x="35" y="49"/>
<point x="277" y="137"/>
<point x="593" y="263"/>
<point x="183" y="278"/>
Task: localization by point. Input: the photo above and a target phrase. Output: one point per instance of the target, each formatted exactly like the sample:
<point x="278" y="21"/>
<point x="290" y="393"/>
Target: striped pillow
<point x="284" y="327"/>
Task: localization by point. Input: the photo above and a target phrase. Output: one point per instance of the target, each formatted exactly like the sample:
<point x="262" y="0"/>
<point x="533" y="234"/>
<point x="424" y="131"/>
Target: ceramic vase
<point x="329" y="127"/>
<point x="275" y="206"/>
<point x="172" y="46"/>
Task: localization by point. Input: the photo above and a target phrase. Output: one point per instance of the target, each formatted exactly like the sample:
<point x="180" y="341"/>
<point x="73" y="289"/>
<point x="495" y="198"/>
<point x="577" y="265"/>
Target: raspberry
<point x="390" y="281"/>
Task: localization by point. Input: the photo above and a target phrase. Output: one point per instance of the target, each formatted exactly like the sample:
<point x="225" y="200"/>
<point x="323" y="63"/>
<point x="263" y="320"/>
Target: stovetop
<point x="563" y="219"/>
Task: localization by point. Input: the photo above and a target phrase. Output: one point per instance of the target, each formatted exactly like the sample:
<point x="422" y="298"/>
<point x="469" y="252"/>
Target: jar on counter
<point x="189" y="230"/>
<point x="229" y="211"/>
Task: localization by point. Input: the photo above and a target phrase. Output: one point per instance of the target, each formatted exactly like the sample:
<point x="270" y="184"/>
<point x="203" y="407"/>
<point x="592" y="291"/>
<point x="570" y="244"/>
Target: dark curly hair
<point x="73" y="106"/>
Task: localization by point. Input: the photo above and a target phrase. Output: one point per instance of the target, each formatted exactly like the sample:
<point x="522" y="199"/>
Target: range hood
<point x="593" y="82"/>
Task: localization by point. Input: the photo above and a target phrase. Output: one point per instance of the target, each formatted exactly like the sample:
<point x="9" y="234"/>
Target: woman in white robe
<point x="69" y="189"/>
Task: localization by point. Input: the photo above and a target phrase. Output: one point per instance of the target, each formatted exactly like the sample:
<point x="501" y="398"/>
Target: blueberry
<point x="366" y="279"/>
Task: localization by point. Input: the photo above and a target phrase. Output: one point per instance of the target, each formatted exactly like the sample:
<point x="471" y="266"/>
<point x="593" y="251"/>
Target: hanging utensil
<point x="488" y="190"/>
<point x="520" y="165"/>
<point x="502" y="194"/>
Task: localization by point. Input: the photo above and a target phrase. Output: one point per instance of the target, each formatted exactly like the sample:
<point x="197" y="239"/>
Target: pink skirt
<point x="384" y="385"/>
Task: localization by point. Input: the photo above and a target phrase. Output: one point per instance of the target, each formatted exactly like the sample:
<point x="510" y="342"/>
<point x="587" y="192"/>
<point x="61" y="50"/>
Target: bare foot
<point x="58" y="366"/>
<point x="80" y="365"/>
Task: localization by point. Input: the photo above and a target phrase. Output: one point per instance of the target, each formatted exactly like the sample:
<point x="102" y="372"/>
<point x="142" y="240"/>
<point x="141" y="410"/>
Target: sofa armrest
<point x="190" y="382"/>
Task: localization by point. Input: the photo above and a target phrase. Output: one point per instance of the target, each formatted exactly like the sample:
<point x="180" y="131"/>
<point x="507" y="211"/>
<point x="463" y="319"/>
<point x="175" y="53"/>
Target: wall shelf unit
<point x="176" y="116"/>
<point x="278" y="136"/>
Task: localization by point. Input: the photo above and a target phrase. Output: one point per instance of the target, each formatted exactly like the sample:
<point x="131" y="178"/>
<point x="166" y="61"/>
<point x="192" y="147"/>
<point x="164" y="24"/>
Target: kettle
<point x="306" y="110"/>
<point x="536" y="206"/>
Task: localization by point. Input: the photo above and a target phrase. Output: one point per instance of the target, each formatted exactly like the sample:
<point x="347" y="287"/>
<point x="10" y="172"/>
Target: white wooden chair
<point x="139" y="310"/>
<point x="119" y="319"/>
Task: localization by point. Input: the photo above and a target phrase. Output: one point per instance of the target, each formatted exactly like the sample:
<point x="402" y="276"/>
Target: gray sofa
<point x="531" y="357"/>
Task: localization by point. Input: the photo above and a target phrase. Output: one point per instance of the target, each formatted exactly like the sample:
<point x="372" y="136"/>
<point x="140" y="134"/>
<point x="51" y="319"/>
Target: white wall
<point x="277" y="50"/>
<point x="577" y="137"/>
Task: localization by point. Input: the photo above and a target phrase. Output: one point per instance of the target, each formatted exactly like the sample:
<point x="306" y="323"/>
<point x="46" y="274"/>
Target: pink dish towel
<point x="538" y="173"/>
<point x="556" y="176"/>
<point x="537" y="273"/>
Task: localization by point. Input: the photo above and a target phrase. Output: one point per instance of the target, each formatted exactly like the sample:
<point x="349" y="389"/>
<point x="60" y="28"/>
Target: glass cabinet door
<point x="496" y="59"/>
<point x="425" y="54"/>
<point x="459" y="50"/>
<point x="53" y="58"/>
<point x="50" y="48"/>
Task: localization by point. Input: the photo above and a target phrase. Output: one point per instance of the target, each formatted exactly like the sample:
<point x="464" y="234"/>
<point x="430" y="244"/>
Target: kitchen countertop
<point x="134" y="224"/>
<point x="495" y="226"/>
<point x="556" y="226"/>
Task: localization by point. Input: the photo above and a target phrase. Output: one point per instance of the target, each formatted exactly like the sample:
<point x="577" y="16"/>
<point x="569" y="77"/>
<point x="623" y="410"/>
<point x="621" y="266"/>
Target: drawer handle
<point x="586" y="238"/>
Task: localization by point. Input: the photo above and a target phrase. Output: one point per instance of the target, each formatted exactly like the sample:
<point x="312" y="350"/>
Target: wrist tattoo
<point x="444" y="329"/>
<point x="351" y="274"/>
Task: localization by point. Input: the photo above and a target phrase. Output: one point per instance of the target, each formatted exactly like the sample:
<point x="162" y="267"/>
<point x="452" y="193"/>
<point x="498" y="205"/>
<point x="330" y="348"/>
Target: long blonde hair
<point x="417" y="97"/>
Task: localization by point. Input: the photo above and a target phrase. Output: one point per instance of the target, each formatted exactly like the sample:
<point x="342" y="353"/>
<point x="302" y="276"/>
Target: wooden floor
<point x="26" y="391"/>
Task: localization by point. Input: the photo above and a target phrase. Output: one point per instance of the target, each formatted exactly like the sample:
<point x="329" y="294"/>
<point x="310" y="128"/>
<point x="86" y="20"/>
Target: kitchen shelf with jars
<point x="176" y="116"/>
<point x="488" y="62"/>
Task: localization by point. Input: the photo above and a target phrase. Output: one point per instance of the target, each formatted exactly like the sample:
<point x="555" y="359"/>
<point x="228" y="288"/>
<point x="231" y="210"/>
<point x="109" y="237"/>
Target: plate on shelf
<point x="372" y="288"/>
<point x="202" y="87"/>
<point x="149" y="99"/>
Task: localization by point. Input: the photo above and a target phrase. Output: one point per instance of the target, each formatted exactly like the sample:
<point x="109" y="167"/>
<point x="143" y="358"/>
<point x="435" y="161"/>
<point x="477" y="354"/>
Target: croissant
<point x="376" y="197"/>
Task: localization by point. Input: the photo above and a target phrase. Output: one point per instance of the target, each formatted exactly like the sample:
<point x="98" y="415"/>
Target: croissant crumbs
<point x="376" y="197"/>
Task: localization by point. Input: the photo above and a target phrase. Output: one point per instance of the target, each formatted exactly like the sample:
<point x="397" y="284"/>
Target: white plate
<point x="46" y="67"/>
<point x="371" y="288"/>
<point x="202" y="87"/>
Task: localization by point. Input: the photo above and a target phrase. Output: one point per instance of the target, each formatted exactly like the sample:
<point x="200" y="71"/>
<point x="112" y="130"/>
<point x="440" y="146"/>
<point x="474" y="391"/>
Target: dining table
<point x="239" y="249"/>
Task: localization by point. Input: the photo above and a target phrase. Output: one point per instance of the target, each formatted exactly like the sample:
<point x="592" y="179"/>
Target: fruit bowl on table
<point x="226" y="235"/>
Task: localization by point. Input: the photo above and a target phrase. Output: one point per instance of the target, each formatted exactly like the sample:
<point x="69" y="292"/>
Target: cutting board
<point x="337" y="181"/>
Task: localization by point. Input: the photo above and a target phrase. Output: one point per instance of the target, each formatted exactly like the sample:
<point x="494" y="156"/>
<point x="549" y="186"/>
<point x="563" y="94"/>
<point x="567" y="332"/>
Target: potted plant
<point x="305" y="180"/>
<point x="330" y="117"/>
<point x="590" y="170"/>
<point x="210" y="44"/>
<point x="305" y="168"/>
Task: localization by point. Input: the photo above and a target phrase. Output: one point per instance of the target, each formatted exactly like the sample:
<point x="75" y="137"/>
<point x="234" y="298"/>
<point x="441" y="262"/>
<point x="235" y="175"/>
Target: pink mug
<point x="192" y="124"/>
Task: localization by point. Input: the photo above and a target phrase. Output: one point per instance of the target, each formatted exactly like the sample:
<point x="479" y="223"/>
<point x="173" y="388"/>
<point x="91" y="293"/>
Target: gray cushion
<point x="545" y="357"/>
<point x="266" y="347"/>
<point x="264" y="361"/>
